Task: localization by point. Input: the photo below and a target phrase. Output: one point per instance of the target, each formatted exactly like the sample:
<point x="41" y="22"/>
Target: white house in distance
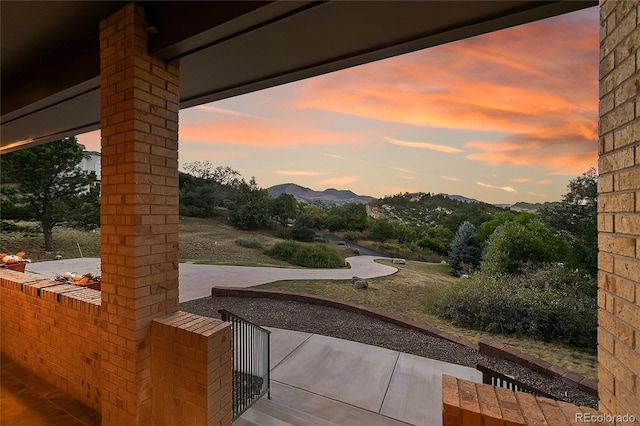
<point x="91" y="162"/>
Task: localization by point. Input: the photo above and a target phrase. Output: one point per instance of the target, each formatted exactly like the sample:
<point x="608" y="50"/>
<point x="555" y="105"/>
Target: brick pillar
<point x="619" y="209"/>
<point x="139" y="248"/>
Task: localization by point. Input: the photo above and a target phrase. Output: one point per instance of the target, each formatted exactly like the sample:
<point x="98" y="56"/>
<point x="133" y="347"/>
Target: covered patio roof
<point x="50" y="50"/>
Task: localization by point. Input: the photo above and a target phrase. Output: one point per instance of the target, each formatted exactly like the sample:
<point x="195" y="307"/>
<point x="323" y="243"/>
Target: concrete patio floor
<point x="327" y="381"/>
<point x="315" y="380"/>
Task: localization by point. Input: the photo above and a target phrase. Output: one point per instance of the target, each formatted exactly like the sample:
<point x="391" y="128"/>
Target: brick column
<point x="139" y="248"/>
<point x="619" y="209"/>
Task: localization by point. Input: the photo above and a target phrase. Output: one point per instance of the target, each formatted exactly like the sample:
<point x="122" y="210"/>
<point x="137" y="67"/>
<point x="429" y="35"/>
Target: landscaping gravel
<point x="360" y="328"/>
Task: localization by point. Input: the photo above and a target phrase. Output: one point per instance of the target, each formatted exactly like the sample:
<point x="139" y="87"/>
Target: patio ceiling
<point x="50" y="50"/>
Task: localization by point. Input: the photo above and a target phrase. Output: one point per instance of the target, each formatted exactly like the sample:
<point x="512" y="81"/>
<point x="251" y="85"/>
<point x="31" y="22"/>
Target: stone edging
<point x="485" y="346"/>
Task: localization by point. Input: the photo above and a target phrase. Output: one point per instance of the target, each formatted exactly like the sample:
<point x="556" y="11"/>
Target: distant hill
<point x="431" y="209"/>
<point x="532" y="207"/>
<point x="460" y="198"/>
<point x="328" y="196"/>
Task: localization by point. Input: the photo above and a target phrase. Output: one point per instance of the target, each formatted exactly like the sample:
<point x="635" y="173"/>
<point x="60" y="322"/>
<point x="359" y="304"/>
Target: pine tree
<point x="45" y="183"/>
<point x="465" y="253"/>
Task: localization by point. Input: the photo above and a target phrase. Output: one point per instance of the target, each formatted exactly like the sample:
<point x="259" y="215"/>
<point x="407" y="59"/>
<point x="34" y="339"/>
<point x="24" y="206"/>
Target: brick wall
<point x="139" y="209"/>
<point x="52" y="330"/>
<point x="466" y="403"/>
<point x="619" y="209"/>
<point x="191" y="370"/>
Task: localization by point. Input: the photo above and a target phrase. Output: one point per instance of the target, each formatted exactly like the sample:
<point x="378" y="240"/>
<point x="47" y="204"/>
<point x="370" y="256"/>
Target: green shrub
<point x="284" y="233"/>
<point x="309" y="256"/>
<point x="354" y="236"/>
<point x="513" y="246"/>
<point x="410" y="251"/>
<point x="550" y="304"/>
<point x="249" y="242"/>
<point x="302" y="233"/>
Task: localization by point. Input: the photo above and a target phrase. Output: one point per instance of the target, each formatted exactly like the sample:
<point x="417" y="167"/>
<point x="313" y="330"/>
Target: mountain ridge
<point x="344" y="196"/>
<point x="329" y="195"/>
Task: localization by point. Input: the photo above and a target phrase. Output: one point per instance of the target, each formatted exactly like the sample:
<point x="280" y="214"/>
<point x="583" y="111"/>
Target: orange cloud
<point x="544" y="182"/>
<point x="560" y="157"/>
<point x="502" y="188"/>
<point x="521" y="180"/>
<point x="252" y="132"/>
<point x="452" y="179"/>
<point x="423" y="145"/>
<point x="344" y="180"/>
<point x="225" y="111"/>
<point x="536" y="83"/>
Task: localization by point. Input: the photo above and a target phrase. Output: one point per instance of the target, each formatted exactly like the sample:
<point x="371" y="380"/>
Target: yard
<point x="405" y="293"/>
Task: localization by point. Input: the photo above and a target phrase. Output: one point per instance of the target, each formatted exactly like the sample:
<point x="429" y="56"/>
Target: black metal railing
<point x="251" y="377"/>
<point x="494" y="378"/>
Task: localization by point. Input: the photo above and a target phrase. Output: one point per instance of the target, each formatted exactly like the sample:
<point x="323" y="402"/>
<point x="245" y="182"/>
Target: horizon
<point x="414" y="192"/>
<point x="503" y="117"/>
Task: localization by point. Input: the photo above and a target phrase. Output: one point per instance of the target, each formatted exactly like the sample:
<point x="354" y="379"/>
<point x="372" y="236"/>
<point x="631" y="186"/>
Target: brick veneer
<point x="466" y="403"/>
<point x="619" y="209"/>
<point x="139" y="209"/>
<point x="52" y="330"/>
<point x="191" y="370"/>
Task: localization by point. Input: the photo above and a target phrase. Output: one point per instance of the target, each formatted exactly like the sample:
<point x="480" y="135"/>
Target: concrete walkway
<point x="323" y="380"/>
<point x="196" y="280"/>
<point x="320" y="380"/>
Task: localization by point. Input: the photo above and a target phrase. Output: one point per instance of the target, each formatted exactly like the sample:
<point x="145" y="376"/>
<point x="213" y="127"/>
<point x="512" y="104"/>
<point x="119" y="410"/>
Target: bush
<point x="550" y="304"/>
<point x="514" y="246"/>
<point x="284" y="233"/>
<point x="249" y="242"/>
<point x="309" y="256"/>
<point x="354" y="236"/>
<point x="411" y="251"/>
<point x="302" y="233"/>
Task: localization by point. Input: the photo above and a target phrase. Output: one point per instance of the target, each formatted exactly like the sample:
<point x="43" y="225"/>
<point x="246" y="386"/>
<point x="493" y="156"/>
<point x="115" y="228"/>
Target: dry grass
<point x="407" y="293"/>
<point x="66" y="242"/>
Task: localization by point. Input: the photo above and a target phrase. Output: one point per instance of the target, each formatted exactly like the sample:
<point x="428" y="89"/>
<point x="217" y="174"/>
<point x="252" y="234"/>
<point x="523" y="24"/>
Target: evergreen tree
<point x="577" y="218"/>
<point x="465" y="253"/>
<point x="45" y="183"/>
<point x="250" y="206"/>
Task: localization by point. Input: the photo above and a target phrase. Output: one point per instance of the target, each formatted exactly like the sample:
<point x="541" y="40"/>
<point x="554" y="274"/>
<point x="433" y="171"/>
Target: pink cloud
<point x="536" y="83"/>
<point x="338" y="181"/>
<point x="502" y="188"/>
<point x="423" y="145"/>
<point x="252" y="132"/>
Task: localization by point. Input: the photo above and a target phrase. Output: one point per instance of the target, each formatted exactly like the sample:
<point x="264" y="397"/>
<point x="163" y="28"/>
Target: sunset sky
<point x="504" y="117"/>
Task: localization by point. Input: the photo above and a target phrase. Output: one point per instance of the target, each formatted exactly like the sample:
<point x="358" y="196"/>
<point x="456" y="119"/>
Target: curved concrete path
<point x="196" y="280"/>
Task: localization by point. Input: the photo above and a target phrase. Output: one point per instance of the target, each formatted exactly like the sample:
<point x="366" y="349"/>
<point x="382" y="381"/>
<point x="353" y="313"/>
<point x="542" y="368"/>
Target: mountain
<point x="328" y="196"/>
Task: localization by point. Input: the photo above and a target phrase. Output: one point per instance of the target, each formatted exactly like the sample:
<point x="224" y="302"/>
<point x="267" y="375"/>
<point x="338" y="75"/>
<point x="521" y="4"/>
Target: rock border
<point x="485" y="346"/>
